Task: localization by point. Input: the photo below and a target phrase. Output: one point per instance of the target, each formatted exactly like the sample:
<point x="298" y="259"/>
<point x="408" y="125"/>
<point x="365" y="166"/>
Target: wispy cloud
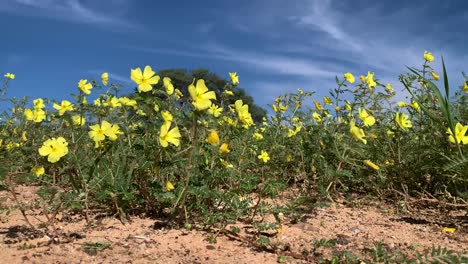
<point x="265" y="63"/>
<point x="75" y="11"/>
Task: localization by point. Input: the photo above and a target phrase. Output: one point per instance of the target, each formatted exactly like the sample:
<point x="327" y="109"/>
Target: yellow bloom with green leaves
<point x="372" y="165"/>
<point x="401" y="104"/>
<point x="366" y="117"/>
<point x="167" y="116"/>
<point x="465" y="87"/>
<point x="54" y="149"/>
<point x="64" y="106"/>
<point x="327" y="100"/>
<point x="84" y="86"/>
<point x="356" y="132"/>
<point x="36" y="115"/>
<point x="228" y="92"/>
<point x="415" y="105"/>
<point x="403" y="121"/>
<point x="128" y="102"/>
<point x="348" y="106"/>
<point x="201" y="96"/>
<point x="215" y="110"/>
<point x="226" y="164"/>
<point x="243" y="113"/>
<point x="168" y="135"/>
<point x="317" y="117"/>
<point x="263" y="156"/>
<point x="10" y="76"/>
<point x="257" y="136"/>
<point x="78" y="120"/>
<point x="435" y="76"/>
<point x="145" y="79"/>
<point x="105" y="78"/>
<point x="460" y="136"/>
<point x="234" y="78"/>
<point x="112" y="102"/>
<point x="318" y="106"/>
<point x="369" y="79"/>
<point x="99" y="132"/>
<point x="428" y="56"/>
<point x="213" y="138"/>
<point x="349" y="77"/>
<point x="389" y="88"/>
<point x="38" y="103"/>
<point x="38" y="170"/>
<point x="169" y="186"/>
<point x="167" y="83"/>
<point x="224" y="148"/>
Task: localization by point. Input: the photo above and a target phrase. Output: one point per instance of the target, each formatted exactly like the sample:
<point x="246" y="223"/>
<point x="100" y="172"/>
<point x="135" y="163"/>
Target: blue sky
<point x="275" y="46"/>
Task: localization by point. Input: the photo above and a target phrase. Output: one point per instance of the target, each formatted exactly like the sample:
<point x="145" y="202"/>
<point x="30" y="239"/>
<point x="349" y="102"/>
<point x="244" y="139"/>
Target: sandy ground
<point x="355" y="228"/>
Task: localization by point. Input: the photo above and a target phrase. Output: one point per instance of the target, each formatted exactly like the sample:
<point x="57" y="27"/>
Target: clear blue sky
<point x="275" y="46"/>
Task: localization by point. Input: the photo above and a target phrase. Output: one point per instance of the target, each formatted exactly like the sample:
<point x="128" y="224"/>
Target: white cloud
<point x="73" y="11"/>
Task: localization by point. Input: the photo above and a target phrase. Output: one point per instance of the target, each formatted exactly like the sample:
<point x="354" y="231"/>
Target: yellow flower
<point x="167" y="116"/>
<point x="401" y="104"/>
<point x="144" y="80"/>
<point x="97" y="101"/>
<point x="23" y="136"/>
<point x="428" y="56"/>
<point x="78" y="120"/>
<point x="105" y="78"/>
<point x="318" y="106"/>
<point x="257" y="136"/>
<point x="415" y="105"/>
<point x="228" y="92"/>
<point x="435" y="76"/>
<point x="215" y="110"/>
<point x="38" y="103"/>
<point x="9" y="76"/>
<point x="201" y="96"/>
<point x="317" y="117"/>
<point x="366" y="118"/>
<point x="234" y="78"/>
<point x="389" y="88"/>
<point x="84" y="86"/>
<point x="38" y="170"/>
<point x="168" y="85"/>
<point x="224" y="148"/>
<point x="63" y="107"/>
<point x="36" y="115"/>
<point x="460" y="134"/>
<point x="112" y="102"/>
<point x="465" y="86"/>
<point x="128" y="102"/>
<point x="169" y="186"/>
<point x="99" y="132"/>
<point x="167" y="135"/>
<point x="263" y="156"/>
<point x="370" y="80"/>
<point x="226" y="164"/>
<point x="349" y="77"/>
<point x="357" y="132"/>
<point x="348" y="106"/>
<point x="327" y="100"/>
<point x="54" y="148"/>
<point x="243" y="113"/>
<point x="213" y="138"/>
<point x="403" y="121"/>
<point x="179" y="94"/>
<point x="372" y="165"/>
